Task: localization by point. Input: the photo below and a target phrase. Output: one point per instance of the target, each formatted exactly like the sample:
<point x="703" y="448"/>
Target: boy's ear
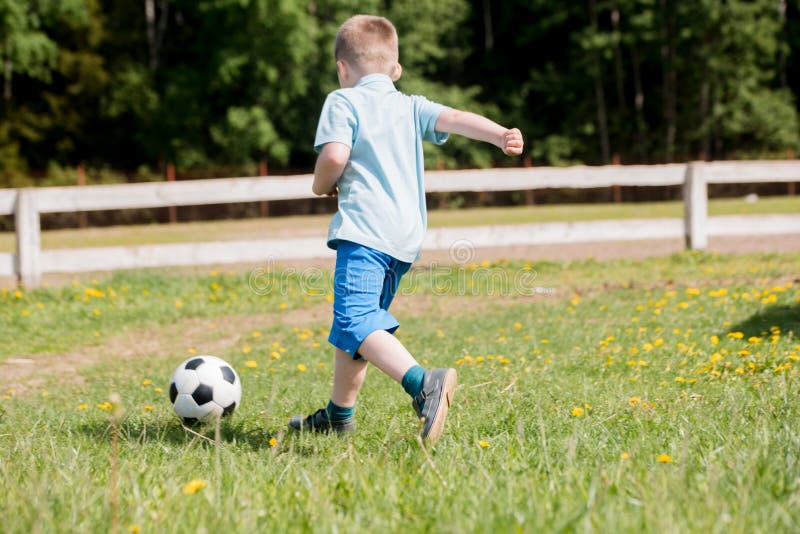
<point x="397" y="71"/>
<point x="341" y="68"/>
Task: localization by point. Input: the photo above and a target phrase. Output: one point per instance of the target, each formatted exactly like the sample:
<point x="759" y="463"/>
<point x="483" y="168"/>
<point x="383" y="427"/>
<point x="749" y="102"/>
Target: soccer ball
<point x="204" y="388"/>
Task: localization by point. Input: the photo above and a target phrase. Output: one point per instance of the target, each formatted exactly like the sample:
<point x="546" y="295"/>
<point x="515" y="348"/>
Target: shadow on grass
<point x="171" y="431"/>
<point x="786" y="317"/>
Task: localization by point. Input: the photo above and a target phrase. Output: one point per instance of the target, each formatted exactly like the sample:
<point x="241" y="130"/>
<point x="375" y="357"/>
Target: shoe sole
<point x="445" y="400"/>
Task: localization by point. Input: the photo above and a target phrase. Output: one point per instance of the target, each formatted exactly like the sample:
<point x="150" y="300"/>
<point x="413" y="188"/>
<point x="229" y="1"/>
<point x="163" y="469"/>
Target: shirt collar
<point x="375" y="78"/>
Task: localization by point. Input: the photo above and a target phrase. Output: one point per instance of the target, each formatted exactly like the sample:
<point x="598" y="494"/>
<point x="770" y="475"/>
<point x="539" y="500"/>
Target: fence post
<point x="173" y="211"/>
<point x="83" y="220"/>
<point x="29" y="240"/>
<point x="264" y="204"/>
<point x="695" y="206"/>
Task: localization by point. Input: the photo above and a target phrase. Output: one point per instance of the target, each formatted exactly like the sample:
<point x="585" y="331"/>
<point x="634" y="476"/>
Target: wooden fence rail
<point x="28" y="204"/>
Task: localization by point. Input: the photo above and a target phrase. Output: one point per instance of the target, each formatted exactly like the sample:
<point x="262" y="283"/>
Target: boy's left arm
<point x="480" y="128"/>
<point x="330" y="165"/>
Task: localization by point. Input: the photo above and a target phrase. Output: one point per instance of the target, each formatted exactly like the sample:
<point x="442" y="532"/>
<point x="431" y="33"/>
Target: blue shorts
<point x="364" y="284"/>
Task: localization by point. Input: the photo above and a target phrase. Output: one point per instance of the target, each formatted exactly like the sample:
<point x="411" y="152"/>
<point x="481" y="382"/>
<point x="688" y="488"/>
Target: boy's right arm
<point x="330" y="165"/>
<point x="480" y="128"/>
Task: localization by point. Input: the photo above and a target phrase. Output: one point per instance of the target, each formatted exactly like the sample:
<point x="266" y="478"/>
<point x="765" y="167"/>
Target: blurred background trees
<point x="217" y="86"/>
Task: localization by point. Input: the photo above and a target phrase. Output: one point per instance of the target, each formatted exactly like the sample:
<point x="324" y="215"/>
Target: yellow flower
<point x="735" y="335"/>
<point x="256" y="334"/>
<point x="664" y="459"/>
<point x="517" y="326"/>
<point x="83" y="406"/>
<point x="282" y="306"/>
<point x="692" y="291"/>
<point x="26" y="312"/>
<point x="246" y="348"/>
<point x="252" y="364"/>
<point x="193" y="486"/>
<point x="680" y="379"/>
<point x="273" y="442"/>
<point x="158" y="390"/>
<point x="301" y="367"/>
<point x="275" y="355"/>
<point x="178" y="304"/>
<point x="146" y="382"/>
<point x="105" y="406"/>
<point x="714" y="340"/>
<point x="577" y="411"/>
<point x="483" y="444"/>
<point x="148" y="408"/>
<point x="96" y="311"/>
<point x="625" y="455"/>
<point x="134" y="529"/>
<point x="633" y="401"/>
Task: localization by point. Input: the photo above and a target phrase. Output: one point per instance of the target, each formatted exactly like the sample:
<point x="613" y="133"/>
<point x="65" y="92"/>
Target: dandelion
<point x="517" y="326"/>
<point x="692" y="291"/>
<point x="633" y="401"/>
<point x="26" y="312"/>
<point x="105" y="406"/>
<point x="577" y="411"/>
<point x="134" y="529"/>
<point x="275" y="355"/>
<point x="147" y="382"/>
<point x="193" y="486"/>
<point x="735" y="335"/>
<point x="664" y="459"/>
<point x="96" y="311"/>
<point x="256" y="334"/>
<point x="82" y="406"/>
<point x="45" y="393"/>
<point x="483" y="444"/>
<point x="625" y="456"/>
<point x="282" y="306"/>
<point x="148" y="408"/>
<point x="273" y="442"/>
<point x="302" y="367"/>
<point x="714" y="340"/>
<point x="252" y="364"/>
<point x="158" y="390"/>
<point x="246" y="348"/>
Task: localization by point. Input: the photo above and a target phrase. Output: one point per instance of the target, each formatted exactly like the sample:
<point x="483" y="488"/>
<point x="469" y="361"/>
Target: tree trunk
<point x="615" y="15"/>
<point x="638" y="103"/>
<point x="8" y="69"/>
<point x="669" y="80"/>
<point x="488" y="34"/>
<point x="599" y="93"/>
<point x="156" y="27"/>
<point x="705" y="127"/>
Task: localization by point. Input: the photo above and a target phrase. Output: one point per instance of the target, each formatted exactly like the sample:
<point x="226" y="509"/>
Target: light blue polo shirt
<point x="382" y="188"/>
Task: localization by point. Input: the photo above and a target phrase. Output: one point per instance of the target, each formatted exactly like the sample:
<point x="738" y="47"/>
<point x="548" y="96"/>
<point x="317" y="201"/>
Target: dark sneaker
<point x="319" y="422"/>
<point x="434" y="400"/>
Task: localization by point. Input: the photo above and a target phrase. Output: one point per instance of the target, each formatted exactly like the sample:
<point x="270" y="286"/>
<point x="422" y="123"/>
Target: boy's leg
<point x="385" y="352"/>
<point x="348" y="375"/>
<point x="431" y="390"/>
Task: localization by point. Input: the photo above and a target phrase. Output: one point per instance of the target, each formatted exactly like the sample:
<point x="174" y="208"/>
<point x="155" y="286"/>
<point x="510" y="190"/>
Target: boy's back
<point x="381" y="191"/>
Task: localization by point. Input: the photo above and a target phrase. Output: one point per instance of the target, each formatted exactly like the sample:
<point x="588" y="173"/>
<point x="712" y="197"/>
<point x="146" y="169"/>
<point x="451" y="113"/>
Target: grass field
<point x="315" y="225"/>
<point x="656" y="395"/>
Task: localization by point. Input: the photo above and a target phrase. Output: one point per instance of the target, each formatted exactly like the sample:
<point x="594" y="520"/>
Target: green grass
<point x="565" y="403"/>
<point x="315" y="225"/>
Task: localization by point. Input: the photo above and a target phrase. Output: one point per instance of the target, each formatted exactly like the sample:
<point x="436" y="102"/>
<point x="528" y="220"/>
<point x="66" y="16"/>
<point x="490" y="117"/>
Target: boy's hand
<point x="512" y="142"/>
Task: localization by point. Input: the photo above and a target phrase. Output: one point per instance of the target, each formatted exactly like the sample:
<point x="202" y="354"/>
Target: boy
<point x="369" y="140"/>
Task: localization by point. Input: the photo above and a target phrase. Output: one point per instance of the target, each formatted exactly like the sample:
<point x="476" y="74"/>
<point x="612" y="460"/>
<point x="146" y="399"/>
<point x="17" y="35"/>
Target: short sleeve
<point x="337" y="122"/>
<point x="427" y="114"/>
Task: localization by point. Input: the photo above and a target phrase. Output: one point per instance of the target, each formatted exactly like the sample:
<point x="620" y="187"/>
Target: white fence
<point x="30" y="261"/>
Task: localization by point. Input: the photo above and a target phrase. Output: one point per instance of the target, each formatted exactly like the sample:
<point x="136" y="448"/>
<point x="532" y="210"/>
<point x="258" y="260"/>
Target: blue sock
<point x="412" y="380"/>
<point x="337" y="413"/>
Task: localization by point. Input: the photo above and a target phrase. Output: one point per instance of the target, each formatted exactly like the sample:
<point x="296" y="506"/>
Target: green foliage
<point x="213" y="83"/>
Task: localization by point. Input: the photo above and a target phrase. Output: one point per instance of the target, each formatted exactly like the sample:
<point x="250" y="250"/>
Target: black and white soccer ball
<point x="204" y="388"/>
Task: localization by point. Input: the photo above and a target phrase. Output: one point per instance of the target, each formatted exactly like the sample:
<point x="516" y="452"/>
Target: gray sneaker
<point x="320" y="422"/>
<point x="434" y="400"/>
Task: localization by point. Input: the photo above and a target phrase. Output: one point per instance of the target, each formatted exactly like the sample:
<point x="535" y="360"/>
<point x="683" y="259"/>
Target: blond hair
<point x="368" y="43"/>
